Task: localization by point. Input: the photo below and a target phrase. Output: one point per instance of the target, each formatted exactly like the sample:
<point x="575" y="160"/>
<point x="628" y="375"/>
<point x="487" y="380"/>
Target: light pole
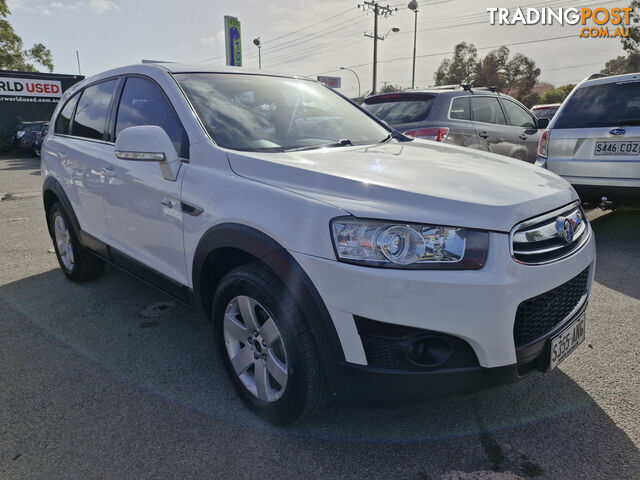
<point x="256" y="42"/>
<point x="377" y="37"/>
<point x="413" y="5"/>
<point x="357" y="78"/>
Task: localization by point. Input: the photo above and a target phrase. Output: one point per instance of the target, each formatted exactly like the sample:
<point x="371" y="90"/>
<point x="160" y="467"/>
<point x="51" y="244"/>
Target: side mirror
<point x="149" y="143"/>
<point x="543" y="123"/>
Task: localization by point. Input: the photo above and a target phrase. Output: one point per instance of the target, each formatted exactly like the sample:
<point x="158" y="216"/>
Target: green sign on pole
<point x="233" y="42"/>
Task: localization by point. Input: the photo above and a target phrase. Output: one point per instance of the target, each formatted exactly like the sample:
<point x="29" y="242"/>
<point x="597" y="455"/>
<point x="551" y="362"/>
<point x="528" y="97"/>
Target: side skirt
<point x="155" y="279"/>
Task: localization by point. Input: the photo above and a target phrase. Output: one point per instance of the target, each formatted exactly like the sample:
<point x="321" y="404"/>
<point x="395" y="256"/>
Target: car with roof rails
<point x="474" y="117"/>
<point x="334" y="256"/>
<point x="593" y="140"/>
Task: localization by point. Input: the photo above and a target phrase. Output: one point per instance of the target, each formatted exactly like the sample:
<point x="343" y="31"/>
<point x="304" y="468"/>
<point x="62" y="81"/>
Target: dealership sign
<point x="28" y="87"/>
<point x="233" y="42"/>
<point x="333" y="82"/>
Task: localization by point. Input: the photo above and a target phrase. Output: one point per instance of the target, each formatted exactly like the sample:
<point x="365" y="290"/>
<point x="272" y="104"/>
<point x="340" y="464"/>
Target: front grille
<point x="539" y="315"/>
<point x="551" y="236"/>
<point x="381" y="342"/>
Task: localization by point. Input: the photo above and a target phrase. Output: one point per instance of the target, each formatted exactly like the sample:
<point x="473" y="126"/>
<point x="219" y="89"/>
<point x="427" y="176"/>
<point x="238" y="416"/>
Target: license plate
<point x="617" y="148"/>
<point x="567" y="341"/>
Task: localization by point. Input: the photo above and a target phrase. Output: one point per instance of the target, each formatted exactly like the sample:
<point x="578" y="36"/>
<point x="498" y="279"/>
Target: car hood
<point x="418" y="181"/>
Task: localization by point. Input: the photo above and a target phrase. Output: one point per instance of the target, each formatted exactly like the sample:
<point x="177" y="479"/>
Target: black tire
<point x="305" y="392"/>
<point x="85" y="266"/>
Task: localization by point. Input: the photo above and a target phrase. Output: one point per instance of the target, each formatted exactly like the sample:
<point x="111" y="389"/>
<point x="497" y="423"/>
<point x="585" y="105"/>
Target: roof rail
<point x="593" y="76"/>
<point x="493" y="88"/>
<point x="442" y="87"/>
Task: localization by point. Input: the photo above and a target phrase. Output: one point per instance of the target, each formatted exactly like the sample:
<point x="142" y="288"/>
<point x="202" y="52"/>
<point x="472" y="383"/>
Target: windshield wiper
<point x="397" y="136"/>
<point x="340" y="143"/>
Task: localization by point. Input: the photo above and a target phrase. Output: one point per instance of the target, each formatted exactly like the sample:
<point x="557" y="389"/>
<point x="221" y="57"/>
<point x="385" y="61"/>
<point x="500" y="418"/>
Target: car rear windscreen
<point x="400" y="108"/>
<point x="604" y="105"/>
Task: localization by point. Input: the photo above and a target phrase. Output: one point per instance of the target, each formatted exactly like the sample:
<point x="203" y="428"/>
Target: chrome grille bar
<point x="550" y="237"/>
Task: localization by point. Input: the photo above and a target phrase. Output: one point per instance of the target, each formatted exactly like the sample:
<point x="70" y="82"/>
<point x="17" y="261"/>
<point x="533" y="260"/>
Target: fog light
<point x="427" y="350"/>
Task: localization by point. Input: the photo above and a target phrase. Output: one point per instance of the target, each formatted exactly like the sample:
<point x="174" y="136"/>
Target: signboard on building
<point x="333" y="82"/>
<point x="29" y="97"/>
<point x="16" y="89"/>
<point x="233" y="42"/>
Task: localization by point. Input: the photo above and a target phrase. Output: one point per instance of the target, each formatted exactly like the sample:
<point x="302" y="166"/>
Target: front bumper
<point x="478" y="307"/>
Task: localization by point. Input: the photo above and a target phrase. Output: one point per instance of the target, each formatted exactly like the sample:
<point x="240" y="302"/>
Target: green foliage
<point x="516" y="77"/>
<point x="557" y="95"/>
<point x="12" y="53"/>
<point x="631" y="43"/>
<point x="389" y="88"/>
<point x="461" y="68"/>
<point x="621" y="65"/>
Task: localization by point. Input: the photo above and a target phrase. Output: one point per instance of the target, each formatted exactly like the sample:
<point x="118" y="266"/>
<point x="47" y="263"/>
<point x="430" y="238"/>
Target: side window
<point x="143" y="103"/>
<point x="518" y="116"/>
<point x="64" y="117"/>
<point x="487" y="110"/>
<point x="91" y="114"/>
<point x="460" y="109"/>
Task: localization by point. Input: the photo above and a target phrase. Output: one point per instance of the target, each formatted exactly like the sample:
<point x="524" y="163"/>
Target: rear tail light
<point x="439" y="134"/>
<point x="543" y="145"/>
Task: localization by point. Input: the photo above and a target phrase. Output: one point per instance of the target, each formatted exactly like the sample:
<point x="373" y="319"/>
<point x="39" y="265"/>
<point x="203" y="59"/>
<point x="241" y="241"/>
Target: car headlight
<point x="20" y="134"/>
<point x="378" y="243"/>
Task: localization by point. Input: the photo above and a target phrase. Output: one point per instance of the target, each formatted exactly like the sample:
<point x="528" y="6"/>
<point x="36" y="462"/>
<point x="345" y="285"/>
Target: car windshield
<point x="604" y="105"/>
<point x="271" y="114"/>
<point x="400" y="108"/>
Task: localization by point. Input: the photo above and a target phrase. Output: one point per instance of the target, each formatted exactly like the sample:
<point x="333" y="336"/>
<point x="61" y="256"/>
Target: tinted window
<point x="64" y="117"/>
<point x="270" y="114"/>
<point x="398" y="108"/>
<point x="460" y="109"/>
<point x="518" y="116"/>
<point x="487" y="110"/>
<point x="143" y="103"/>
<point x="545" y="112"/>
<point x="606" y="105"/>
<point x="91" y="114"/>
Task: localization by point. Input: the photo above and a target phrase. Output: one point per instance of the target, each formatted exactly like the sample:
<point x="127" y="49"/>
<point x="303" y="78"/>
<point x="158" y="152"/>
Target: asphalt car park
<point x="113" y="379"/>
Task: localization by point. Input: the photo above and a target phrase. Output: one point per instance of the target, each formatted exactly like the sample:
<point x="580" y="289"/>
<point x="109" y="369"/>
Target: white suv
<point x="333" y="255"/>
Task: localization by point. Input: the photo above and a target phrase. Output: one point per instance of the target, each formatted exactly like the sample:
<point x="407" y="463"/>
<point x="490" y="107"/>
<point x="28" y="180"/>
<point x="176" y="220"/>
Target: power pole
<point x="378" y="10"/>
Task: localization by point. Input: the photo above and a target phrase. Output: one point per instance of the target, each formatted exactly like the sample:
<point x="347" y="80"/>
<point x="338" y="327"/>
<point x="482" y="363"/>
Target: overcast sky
<point x="111" y="33"/>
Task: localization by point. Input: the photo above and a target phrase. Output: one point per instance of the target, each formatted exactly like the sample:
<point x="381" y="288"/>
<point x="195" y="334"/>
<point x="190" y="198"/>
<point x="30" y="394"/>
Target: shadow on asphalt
<point x="19" y="162"/>
<point x="172" y="356"/>
<point x="618" y="251"/>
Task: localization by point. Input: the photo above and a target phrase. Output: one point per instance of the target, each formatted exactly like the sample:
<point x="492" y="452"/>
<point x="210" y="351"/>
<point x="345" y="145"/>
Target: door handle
<point x="167" y="203"/>
<point x="483" y="135"/>
<point x="522" y="136"/>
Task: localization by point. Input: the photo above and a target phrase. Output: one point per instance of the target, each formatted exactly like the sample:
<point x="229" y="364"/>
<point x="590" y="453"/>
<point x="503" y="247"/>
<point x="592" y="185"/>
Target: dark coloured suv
<point x="470" y="117"/>
<point x="25" y="135"/>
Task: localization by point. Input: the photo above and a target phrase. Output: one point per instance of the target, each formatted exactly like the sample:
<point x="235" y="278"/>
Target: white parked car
<point x="333" y="256"/>
<point x="594" y="140"/>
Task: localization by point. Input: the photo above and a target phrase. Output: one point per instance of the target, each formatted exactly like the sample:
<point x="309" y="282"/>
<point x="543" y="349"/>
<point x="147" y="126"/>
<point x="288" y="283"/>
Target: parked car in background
<point x="39" y="137"/>
<point x="545" y="111"/>
<point x="25" y="135"/>
<point x="594" y="140"/>
<point x="333" y="255"/>
<point x="477" y="118"/>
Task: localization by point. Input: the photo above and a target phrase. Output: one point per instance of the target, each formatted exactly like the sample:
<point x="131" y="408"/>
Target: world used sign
<point x="28" y="87"/>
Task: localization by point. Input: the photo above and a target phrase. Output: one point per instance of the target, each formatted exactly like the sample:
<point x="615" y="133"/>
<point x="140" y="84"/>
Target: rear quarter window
<point x="604" y="105"/>
<point x="396" y="109"/>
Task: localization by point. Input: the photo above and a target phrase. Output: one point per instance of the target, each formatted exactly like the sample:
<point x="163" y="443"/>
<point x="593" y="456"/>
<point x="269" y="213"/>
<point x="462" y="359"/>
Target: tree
<point x="491" y="70"/>
<point x="631" y="43"/>
<point x="621" y="64"/>
<point x="12" y="53"/>
<point x="390" y="87"/>
<point x="557" y="95"/>
<point x="461" y="68"/>
<point x="517" y="76"/>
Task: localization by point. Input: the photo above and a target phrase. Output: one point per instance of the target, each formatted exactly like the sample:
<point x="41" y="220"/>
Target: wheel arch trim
<point x="261" y="246"/>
